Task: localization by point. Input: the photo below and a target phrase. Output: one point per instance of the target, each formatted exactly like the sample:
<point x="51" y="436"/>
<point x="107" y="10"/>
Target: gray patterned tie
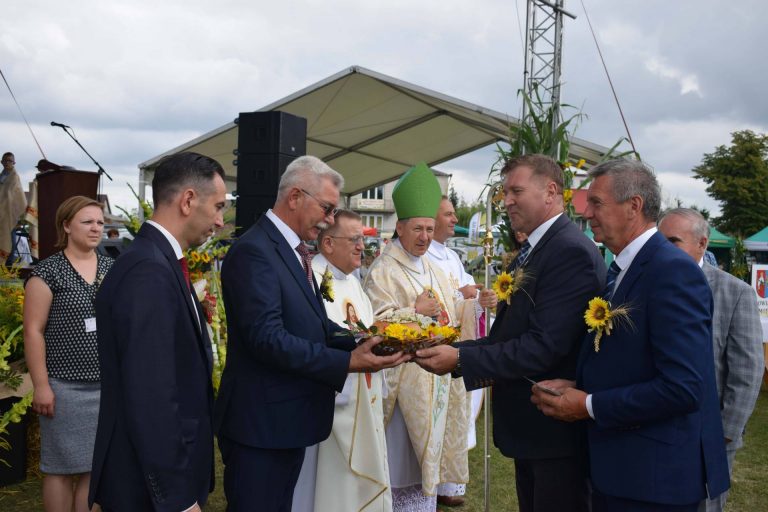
<point x="306" y="260"/>
<point x="610" y="280"/>
<point x="522" y="255"/>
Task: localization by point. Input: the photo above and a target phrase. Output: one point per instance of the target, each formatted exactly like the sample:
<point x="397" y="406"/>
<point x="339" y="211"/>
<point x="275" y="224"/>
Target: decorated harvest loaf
<point x="409" y="332"/>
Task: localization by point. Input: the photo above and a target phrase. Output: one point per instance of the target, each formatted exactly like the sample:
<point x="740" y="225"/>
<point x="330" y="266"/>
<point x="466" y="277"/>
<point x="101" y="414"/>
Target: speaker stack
<point x="266" y="143"/>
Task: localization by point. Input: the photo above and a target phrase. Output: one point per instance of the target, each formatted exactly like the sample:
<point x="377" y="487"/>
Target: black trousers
<point x="552" y="485"/>
<point x="259" y="478"/>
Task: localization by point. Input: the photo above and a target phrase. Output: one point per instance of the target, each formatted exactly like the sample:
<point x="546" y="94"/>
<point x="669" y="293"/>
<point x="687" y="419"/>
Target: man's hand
<point x="427" y="305"/>
<point x="363" y="360"/>
<point x="488" y="299"/>
<point x="571" y="405"/>
<point x="438" y="360"/>
<point x="469" y="291"/>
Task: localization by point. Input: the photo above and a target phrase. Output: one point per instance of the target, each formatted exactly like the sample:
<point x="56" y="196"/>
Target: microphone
<point x="54" y="123"/>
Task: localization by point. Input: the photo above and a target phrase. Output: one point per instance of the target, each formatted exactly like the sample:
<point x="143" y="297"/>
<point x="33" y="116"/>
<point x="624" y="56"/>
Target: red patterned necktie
<point x="306" y="260"/>
<point x="185" y="269"/>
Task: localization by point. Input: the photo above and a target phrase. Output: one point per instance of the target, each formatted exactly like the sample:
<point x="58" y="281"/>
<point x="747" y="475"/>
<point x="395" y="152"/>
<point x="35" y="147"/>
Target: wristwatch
<point x="457" y="369"/>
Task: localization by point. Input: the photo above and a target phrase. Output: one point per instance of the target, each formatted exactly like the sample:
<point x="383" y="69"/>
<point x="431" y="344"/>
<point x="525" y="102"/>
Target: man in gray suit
<point x="736" y="334"/>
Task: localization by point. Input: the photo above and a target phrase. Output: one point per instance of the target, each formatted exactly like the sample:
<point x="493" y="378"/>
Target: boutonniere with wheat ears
<point x="507" y="284"/>
<point x="602" y="319"/>
<point x="326" y="285"/>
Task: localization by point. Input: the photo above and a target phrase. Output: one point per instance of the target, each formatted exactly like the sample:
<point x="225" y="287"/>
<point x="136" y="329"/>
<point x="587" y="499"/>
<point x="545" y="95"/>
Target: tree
<point x="454" y="197"/>
<point x="464" y="211"/>
<point x="737" y="176"/>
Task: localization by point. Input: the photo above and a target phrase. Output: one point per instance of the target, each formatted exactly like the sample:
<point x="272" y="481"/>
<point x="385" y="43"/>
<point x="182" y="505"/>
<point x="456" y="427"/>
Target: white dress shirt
<point x="624" y="259"/>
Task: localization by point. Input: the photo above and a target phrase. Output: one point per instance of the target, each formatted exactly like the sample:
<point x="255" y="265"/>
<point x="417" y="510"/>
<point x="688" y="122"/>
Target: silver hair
<point x="632" y="178"/>
<point x="699" y="225"/>
<point x="307" y="172"/>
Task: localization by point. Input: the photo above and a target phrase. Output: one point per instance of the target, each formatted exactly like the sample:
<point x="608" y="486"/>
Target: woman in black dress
<point x="61" y="352"/>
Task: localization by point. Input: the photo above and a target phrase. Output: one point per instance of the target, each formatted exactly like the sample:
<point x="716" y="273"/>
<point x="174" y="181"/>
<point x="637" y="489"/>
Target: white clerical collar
<point x="538" y="233"/>
<point x="438" y="250"/>
<point x="171" y="239"/>
<point x="322" y="262"/>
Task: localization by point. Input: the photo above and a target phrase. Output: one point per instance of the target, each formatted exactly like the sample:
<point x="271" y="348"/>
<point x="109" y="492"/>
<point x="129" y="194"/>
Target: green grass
<point x="749" y="493"/>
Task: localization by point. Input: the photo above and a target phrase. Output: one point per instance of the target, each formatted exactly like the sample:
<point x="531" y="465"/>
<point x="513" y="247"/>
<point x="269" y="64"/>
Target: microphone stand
<point x="101" y="169"/>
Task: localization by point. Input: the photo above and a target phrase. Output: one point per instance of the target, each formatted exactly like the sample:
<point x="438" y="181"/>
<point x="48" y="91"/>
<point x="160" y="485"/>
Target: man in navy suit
<point x="537" y="335"/>
<point x="285" y="359"/>
<point x="154" y="442"/>
<point x="647" y="393"/>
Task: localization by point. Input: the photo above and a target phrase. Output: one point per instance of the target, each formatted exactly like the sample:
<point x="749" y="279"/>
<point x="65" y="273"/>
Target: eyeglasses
<point x="328" y="209"/>
<point x="354" y="240"/>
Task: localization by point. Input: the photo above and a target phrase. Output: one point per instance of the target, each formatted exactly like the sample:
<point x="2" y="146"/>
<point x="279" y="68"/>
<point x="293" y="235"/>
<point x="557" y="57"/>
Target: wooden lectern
<point x="53" y="188"/>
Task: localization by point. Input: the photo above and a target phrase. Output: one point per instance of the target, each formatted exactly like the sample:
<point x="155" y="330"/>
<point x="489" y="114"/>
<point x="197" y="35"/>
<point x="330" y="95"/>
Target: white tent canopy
<point x="371" y="128"/>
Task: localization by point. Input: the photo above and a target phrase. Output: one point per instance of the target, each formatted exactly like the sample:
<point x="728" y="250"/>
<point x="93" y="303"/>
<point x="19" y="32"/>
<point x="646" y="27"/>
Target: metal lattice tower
<point x="543" y="53"/>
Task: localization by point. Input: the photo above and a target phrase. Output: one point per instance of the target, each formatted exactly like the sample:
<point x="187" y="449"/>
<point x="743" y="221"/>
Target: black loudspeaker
<point x="266" y="143"/>
<point x="259" y="174"/>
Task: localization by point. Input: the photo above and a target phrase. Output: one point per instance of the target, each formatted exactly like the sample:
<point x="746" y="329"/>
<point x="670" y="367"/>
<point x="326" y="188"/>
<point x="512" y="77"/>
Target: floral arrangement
<point x="326" y="285"/>
<point x="204" y="271"/>
<point x="406" y="331"/>
<point x="12" y="365"/>
<point x="601" y="318"/>
<point x="506" y="284"/>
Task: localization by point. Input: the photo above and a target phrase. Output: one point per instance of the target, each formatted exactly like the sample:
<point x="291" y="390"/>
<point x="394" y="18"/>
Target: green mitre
<point x="417" y="193"/>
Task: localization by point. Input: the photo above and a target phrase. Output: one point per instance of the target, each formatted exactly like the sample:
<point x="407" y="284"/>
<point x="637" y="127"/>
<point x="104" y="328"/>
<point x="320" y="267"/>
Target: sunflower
<point x="567" y="195"/>
<point x="598" y="313"/>
<point x="601" y="318"/>
<point x="506" y="285"/>
<point x="443" y="331"/>
<point x="503" y="286"/>
<point x="205" y="257"/>
<point x="400" y="332"/>
<point x="195" y="256"/>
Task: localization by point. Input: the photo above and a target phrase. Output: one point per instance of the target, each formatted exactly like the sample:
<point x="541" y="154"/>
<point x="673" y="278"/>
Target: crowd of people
<point x="642" y="414"/>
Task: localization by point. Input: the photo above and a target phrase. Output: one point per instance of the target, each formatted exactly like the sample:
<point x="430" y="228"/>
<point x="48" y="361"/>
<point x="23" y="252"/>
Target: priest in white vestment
<point x="13" y="203"/>
<point x="348" y="471"/>
<point x="470" y="303"/>
<point x="426" y="416"/>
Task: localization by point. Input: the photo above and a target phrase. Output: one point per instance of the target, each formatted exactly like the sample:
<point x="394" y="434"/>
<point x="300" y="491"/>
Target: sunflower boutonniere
<point x="506" y="284"/>
<point x="601" y="318"/>
<point x="326" y="285"/>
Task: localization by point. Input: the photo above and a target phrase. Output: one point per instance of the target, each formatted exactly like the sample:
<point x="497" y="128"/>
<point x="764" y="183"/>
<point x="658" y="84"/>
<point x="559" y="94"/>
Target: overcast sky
<point x="137" y="78"/>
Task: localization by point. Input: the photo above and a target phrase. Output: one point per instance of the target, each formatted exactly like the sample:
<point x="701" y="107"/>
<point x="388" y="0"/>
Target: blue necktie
<point x="522" y="255"/>
<point x="610" y="280"/>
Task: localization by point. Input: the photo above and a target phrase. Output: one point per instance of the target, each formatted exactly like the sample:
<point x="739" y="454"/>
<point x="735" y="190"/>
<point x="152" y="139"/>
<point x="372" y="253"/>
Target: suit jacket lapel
<point x="561" y="222"/>
<point x="206" y="340"/>
<point x="636" y="269"/>
<point x="150" y="232"/>
<point x="288" y="256"/>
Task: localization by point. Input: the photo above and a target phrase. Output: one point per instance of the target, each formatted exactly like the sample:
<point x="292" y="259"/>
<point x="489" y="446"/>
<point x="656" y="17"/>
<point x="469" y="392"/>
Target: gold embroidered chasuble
<point x="435" y="408"/>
